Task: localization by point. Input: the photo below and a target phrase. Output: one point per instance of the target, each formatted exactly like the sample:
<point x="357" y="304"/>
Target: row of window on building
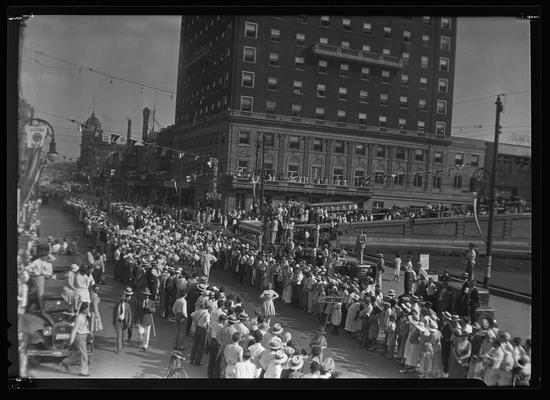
<point x="359" y="149"/>
<point x="249" y="56"/>
<point x="247" y="104"/>
<point x="251" y="28"/>
<point x="275" y="36"/>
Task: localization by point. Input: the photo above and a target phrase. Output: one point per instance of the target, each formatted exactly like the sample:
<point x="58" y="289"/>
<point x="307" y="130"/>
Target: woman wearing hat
<point x="461" y="351"/>
<point x="353" y="322"/>
<point x="95" y="316"/>
<point x="287" y="284"/>
<point x="411" y="344"/>
<point x="425" y="364"/>
<point x="478" y="361"/>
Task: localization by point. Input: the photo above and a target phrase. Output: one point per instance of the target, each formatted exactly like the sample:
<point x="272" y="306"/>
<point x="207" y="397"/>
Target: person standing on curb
<point x="79" y="336"/>
<point x="122" y="320"/>
<point x="145" y="318"/>
<point x="180" y="311"/>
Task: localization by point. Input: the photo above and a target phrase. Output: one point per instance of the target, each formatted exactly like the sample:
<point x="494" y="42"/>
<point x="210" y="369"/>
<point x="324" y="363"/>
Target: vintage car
<point x="47" y="333"/>
<point x="353" y="269"/>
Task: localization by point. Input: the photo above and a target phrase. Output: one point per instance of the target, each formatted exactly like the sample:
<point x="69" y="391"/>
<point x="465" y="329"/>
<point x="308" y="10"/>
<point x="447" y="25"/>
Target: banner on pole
<point x="36" y="133"/>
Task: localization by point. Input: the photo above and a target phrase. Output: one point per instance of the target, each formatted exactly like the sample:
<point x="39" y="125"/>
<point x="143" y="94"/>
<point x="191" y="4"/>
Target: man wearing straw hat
<point x="122" y="320"/>
<point x="145" y="318"/>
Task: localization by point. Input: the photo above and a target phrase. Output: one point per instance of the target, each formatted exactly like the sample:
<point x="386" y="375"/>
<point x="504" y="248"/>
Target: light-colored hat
<point x="289" y="351"/>
<point x="202" y="287"/>
<point x="280" y="357"/>
<point x="50" y="258"/>
<point x="232" y="319"/>
<point x="296" y="363"/>
<point x="146" y="292"/>
<point x="275" y="344"/>
<point x="128" y="291"/>
<point x="243" y="316"/>
<point x="391" y="293"/>
<point x="74" y="267"/>
<point x="277" y="329"/>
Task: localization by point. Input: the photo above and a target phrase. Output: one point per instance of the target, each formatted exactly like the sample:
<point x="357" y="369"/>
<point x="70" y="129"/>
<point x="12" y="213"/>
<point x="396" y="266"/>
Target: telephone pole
<point x="492" y="196"/>
<point x="263" y="211"/>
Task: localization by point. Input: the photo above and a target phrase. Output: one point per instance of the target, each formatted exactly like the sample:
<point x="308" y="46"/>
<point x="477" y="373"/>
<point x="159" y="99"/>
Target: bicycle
<point x="175" y="369"/>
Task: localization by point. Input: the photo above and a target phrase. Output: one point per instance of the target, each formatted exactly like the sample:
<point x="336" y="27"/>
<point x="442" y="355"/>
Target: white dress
<point x="267" y="306"/>
<point x="353" y="324"/>
<point x="336" y="317"/>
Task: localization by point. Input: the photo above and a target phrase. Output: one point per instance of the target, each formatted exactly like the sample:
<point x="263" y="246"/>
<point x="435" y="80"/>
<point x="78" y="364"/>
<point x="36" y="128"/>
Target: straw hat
<point x="128" y="291"/>
<point x="275" y="344"/>
<point x="74" y="267"/>
<point x="232" y="319"/>
<point x="243" y="316"/>
<point x="202" y="287"/>
<point x="277" y="329"/>
<point x="296" y="363"/>
<point x="280" y="357"/>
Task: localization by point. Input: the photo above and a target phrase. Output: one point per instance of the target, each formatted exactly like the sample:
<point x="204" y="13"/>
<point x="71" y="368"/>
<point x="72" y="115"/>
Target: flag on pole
<point x="36" y="135"/>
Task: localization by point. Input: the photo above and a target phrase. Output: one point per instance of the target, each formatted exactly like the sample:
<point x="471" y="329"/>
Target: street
<point x="351" y="359"/>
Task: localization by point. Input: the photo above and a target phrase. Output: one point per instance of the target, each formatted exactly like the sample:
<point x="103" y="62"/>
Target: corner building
<point x="338" y="97"/>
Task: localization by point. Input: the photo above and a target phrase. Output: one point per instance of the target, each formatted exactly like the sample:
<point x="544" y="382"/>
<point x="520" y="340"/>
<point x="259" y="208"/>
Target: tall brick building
<point x="344" y="98"/>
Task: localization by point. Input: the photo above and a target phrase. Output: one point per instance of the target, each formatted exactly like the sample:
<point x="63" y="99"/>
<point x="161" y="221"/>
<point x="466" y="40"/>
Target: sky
<point x="492" y="56"/>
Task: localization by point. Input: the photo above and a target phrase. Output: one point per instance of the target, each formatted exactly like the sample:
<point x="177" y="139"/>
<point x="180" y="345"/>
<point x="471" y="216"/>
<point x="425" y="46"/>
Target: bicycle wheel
<point x="182" y="374"/>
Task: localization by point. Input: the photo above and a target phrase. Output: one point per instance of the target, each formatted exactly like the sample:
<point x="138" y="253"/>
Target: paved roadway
<point x="351" y="359"/>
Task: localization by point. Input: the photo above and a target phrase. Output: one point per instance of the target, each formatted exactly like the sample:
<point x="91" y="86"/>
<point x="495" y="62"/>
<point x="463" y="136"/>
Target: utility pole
<point x="214" y="182"/>
<point x="263" y="211"/>
<point x="492" y="196"/>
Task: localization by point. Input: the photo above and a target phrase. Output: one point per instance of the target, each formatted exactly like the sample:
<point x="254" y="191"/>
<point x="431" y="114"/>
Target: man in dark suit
<point x="122" y="320"/>
<point x="192" y="295"/>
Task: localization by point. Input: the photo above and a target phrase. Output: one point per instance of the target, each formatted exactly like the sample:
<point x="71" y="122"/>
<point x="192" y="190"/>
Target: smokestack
<point x="129" y="131"/>
<point x="145" y="124"/>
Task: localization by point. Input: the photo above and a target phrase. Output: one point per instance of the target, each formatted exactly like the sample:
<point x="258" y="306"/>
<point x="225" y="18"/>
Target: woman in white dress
<point x="287" y="282"/>
<point x="353" y="322"/>
<point x="268" y="296"/>
<point x="336" y="317"/>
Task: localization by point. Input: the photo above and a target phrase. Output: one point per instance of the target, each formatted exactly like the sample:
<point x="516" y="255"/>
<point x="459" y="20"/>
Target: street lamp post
<point x="492" y="196"/>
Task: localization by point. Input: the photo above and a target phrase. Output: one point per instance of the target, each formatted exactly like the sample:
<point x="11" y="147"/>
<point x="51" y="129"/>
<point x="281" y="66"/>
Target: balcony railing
<point x="305" y="187"/>
<point x="366" y="57"/>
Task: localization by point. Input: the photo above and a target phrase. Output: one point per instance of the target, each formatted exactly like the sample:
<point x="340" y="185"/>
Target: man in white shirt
<point x="180" y="311"/>
<point x="246" y="369"/>
<point x="216" y="326"/>
<point x="256" y="349"/>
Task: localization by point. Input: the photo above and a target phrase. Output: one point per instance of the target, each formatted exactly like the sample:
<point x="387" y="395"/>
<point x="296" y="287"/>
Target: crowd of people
<point x="165" y="261"/>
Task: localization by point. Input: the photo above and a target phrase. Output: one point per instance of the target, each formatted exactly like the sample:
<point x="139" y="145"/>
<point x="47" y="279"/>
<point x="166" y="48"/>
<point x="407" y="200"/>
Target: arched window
<point x="399" y="178"/>
<point x="418" y="177"/>
<point x="379" y="173"/>
<point x="316" y="169"/>
<point x="293" y="167"/>
<point x="338" y="172"/>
